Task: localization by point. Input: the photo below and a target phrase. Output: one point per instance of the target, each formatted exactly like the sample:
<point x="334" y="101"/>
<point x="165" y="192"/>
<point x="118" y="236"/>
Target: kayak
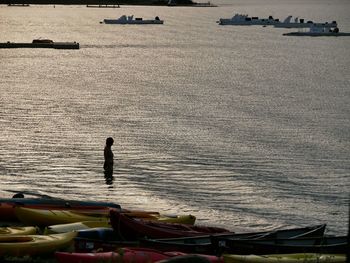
<point x="23" y="245"/>
<point x="193" y="258"/>
<point x="125" y="255"/>
<point x="286" y="258"/>
<point x="62" y="228"/>
<point x="18" y="230"/>
<point x="179" y="219"/>
<point x="133" y="229"/>
<point x="88" y="245"/>
<point x="45" y="217"/>
<point x="76" y="226"/>
<point x="57" y="202"/>
<point x="146" y="215"/>
<point x="129" y="255"/>
<point x="7" y="205"/>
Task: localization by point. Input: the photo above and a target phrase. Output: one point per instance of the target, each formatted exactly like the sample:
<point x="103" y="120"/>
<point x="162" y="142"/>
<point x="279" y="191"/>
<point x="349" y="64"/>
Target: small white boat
<point x="316" y="31"/>
<point x="300" y="23"/>
<point x="245" y="20"/>
<point x="131" y="20"/>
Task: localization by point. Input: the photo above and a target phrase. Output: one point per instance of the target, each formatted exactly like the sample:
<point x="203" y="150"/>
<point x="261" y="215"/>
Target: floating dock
<point x="55" y="45"/>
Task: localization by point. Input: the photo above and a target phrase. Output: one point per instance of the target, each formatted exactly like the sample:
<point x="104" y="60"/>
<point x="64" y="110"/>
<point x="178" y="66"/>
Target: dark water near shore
<point x="240" y="126"/>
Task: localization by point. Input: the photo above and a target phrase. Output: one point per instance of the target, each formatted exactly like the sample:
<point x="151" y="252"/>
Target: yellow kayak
<point x="23" y="245"/>
<point x="63" y="228"/>
<point x="46" y="217"/>
<point x="18" y="230"/>
<point x="286" y="258"/>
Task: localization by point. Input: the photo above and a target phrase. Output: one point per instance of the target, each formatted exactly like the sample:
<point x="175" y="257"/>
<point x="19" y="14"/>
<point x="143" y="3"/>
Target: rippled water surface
<point x="241" y="126"/>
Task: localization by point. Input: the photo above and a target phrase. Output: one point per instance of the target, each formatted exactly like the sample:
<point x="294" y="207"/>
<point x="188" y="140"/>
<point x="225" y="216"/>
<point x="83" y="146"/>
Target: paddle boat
<point x="133" y="21"/>
<point x="245" y="20"/>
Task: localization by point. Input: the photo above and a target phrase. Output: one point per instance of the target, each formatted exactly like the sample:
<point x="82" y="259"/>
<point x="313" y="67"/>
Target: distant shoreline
<point x="96" y="2"/>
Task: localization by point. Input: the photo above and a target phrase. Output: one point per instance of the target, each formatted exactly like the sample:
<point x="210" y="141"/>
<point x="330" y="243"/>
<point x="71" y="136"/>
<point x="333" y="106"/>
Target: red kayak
<point x="128" y="255"/>
<point x="133" y="229"/>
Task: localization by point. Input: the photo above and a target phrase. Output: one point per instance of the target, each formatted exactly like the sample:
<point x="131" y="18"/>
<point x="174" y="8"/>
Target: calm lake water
<point x="240" y="126"/>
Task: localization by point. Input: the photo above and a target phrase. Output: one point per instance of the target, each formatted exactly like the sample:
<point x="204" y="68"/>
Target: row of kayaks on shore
<point x="75" y="231"/>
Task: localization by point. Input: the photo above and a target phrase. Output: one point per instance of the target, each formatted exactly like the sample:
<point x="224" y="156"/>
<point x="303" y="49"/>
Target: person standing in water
<point x="108" y="154"/>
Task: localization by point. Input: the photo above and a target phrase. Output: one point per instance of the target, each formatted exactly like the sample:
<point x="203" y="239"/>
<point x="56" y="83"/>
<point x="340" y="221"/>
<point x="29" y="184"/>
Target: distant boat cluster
<point x="315" y="28"/>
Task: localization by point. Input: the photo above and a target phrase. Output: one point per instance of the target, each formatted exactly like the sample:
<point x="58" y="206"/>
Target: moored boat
<point x="245" y="20"/>
<point x="123" y="20"/>
<point x="41" y="44"/>
<point x="318" y="31"/>
<point x="32" y="245"/>
<point x="300" y="23"/>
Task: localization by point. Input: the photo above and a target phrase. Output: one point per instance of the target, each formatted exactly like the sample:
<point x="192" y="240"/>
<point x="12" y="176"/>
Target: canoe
<point x="323" y="245"/>
<point x="286" y="258"/>
<point x="44" y="217"/>
<point x="128" y="255"/>
<point x="77" y="226"/>
<point x="18" y="230"/>
<point x="133" y="229"/>
<point x="32" y="245"/>
<point x="7" y="205"/>
<point x="209" y="244"/>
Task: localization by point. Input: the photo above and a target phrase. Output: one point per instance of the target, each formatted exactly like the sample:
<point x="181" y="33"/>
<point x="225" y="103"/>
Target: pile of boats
<point x="89" y="231"/>
<point x="315" y="28"/>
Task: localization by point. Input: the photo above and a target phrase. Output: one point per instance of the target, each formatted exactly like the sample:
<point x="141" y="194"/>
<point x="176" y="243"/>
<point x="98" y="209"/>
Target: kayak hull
<point x="33" y="245"/>
<point x="286" y="258"/>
